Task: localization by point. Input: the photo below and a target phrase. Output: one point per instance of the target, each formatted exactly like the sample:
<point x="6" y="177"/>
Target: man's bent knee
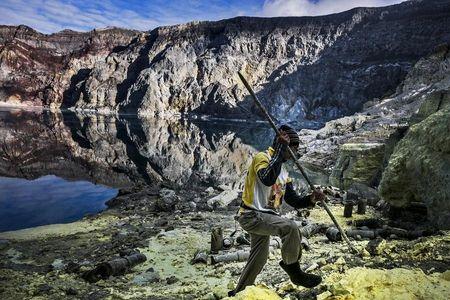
<point x="290" y="227"/>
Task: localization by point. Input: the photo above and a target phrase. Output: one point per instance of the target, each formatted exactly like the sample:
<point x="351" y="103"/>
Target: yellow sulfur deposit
<point x="362" y="283"/>
<point x="256" y="293"/>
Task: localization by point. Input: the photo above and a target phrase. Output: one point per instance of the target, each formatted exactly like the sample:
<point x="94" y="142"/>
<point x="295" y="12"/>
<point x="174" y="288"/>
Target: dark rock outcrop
<point x="362" y="163"/>
<point x="419" y="169"/>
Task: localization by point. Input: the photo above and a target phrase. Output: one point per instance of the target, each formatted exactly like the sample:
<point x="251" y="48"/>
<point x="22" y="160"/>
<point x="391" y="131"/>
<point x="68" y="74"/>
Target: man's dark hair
<point x="294" y="139"/>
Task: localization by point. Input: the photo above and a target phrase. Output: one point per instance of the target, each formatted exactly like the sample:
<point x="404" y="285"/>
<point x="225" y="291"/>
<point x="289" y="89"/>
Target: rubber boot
<point x="299" y="277"/>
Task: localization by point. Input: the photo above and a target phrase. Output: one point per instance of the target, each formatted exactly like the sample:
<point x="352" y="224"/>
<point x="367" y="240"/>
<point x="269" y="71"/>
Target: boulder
<point x="365" y="192"/>
<point x="358" y="162"/>
<point x="419" y="169"/>
<point x="166" y="200"/>
<point x="223" y="199"/>
<point x="436" y="101"/>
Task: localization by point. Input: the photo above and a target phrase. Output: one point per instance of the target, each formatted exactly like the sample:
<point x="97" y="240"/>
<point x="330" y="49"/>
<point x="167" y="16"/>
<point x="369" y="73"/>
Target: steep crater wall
<point x="314" y="68"/>
<point x="302" y="67"/>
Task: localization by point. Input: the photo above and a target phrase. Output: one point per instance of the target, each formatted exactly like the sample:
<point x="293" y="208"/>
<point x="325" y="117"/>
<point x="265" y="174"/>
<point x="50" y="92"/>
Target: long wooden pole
<point x="294" y="157"/>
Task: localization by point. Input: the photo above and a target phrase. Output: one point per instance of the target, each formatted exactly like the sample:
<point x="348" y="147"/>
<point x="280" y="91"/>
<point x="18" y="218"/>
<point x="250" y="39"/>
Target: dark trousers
<point x="261" y="226"/>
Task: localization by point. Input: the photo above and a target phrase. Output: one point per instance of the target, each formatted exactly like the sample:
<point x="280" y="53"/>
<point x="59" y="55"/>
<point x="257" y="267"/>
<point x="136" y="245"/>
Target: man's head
<point x="293" y="137"/>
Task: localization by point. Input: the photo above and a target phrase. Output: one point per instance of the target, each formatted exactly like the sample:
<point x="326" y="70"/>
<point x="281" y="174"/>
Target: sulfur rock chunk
<point x="362" y="283"/>
<point x="256" y="293"/>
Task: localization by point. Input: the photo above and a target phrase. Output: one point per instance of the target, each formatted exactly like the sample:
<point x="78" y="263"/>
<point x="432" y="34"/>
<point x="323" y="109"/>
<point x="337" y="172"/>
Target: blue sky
<point x="54" y="15"/>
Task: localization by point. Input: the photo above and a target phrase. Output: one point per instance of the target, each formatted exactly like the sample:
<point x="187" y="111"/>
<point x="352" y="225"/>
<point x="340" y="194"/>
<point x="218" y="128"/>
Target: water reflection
<point x="47" y="200"/>
<point x="116" y="152"/>
<point x="151" y="150"/>
<point x="126" y="150"/>
<point x="123" y="151"/>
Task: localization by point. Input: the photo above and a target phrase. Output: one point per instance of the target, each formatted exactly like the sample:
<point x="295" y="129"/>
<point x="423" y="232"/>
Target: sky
<point x="50" y="16"/>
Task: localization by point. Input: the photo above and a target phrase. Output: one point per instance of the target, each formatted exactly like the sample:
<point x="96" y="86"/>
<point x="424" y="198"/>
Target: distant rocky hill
<point x="37" y="69"/>
<point x="302" y="67"/>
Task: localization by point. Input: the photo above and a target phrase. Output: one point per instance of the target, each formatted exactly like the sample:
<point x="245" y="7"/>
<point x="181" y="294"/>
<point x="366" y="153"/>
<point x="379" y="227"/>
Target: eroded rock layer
<point x="303" y="67"/>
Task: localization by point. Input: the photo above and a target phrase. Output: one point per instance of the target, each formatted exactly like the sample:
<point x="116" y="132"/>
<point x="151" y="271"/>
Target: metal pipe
<point x="348" y="209"/>
<point x="114" y="267"/>
<point x="216" y="239"/>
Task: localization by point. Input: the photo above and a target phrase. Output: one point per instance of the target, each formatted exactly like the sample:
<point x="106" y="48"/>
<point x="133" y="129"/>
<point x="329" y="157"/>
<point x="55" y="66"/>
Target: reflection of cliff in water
<point x="127" y="150"/>
<point x="178" y="151"/>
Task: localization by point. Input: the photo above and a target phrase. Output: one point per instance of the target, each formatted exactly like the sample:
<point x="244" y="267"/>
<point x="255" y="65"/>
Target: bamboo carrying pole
<point x="294" y="157"/>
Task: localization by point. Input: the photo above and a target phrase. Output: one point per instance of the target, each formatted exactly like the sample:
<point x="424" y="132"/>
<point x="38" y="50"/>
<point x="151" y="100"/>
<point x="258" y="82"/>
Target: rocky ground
<point x="171" y="228"/>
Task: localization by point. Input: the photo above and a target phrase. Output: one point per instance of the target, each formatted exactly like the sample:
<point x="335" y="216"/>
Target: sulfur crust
<point x="363" y="283"/>
<point x="256" y="293"/>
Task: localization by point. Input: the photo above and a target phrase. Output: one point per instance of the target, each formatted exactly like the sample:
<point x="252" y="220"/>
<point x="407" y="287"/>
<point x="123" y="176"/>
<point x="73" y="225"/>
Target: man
<point x="266" y="186"/>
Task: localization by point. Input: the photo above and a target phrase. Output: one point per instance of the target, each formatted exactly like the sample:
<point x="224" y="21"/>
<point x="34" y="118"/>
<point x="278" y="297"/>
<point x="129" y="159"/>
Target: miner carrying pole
<point x="267" y="184"/>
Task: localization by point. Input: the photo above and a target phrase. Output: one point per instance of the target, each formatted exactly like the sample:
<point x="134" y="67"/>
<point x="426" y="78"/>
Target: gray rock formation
<point x="303" y="67"/>
<point x="384" y="120"/>
<point x="419" y="169"/>
<point x="362" y="163"/>
<point x="39" y="69"/>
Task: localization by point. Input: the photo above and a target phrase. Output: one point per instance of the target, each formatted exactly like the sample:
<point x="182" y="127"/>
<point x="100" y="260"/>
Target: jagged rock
<point x="167" y="200"/>
<point x="58" y="264"/>
<point x="419" y="169"/>
<point x="4" y="244"/>
<point x="149" y="276"/>
<point x="365" y="192"/>
<point x="362" y="163"/>
<point x="71" y="291"/>
<point x="223" y="199"/>
<point x="44" y="69"/>
<point x="172" y="280"/>
<point x="117" y="201"/>
<point x="43" y="289"/>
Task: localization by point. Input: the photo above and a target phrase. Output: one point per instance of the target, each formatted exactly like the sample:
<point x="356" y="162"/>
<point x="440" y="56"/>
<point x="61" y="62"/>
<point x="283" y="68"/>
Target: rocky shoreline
<point x="172" y="227"/>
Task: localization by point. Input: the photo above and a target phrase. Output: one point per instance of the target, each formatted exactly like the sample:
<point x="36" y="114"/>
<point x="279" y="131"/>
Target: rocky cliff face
<point x="418" y="172"/>
<point x="400" y="140"/>
<point x="37" y="69"/>
<point x="320" y="67"/>
<point x="382" y="121"/>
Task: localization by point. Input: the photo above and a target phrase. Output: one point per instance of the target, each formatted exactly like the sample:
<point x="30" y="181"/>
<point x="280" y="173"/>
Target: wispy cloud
<point x="55" y="15"/>
<point x="51" y="15"/>
<point x="275" y="8"/>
